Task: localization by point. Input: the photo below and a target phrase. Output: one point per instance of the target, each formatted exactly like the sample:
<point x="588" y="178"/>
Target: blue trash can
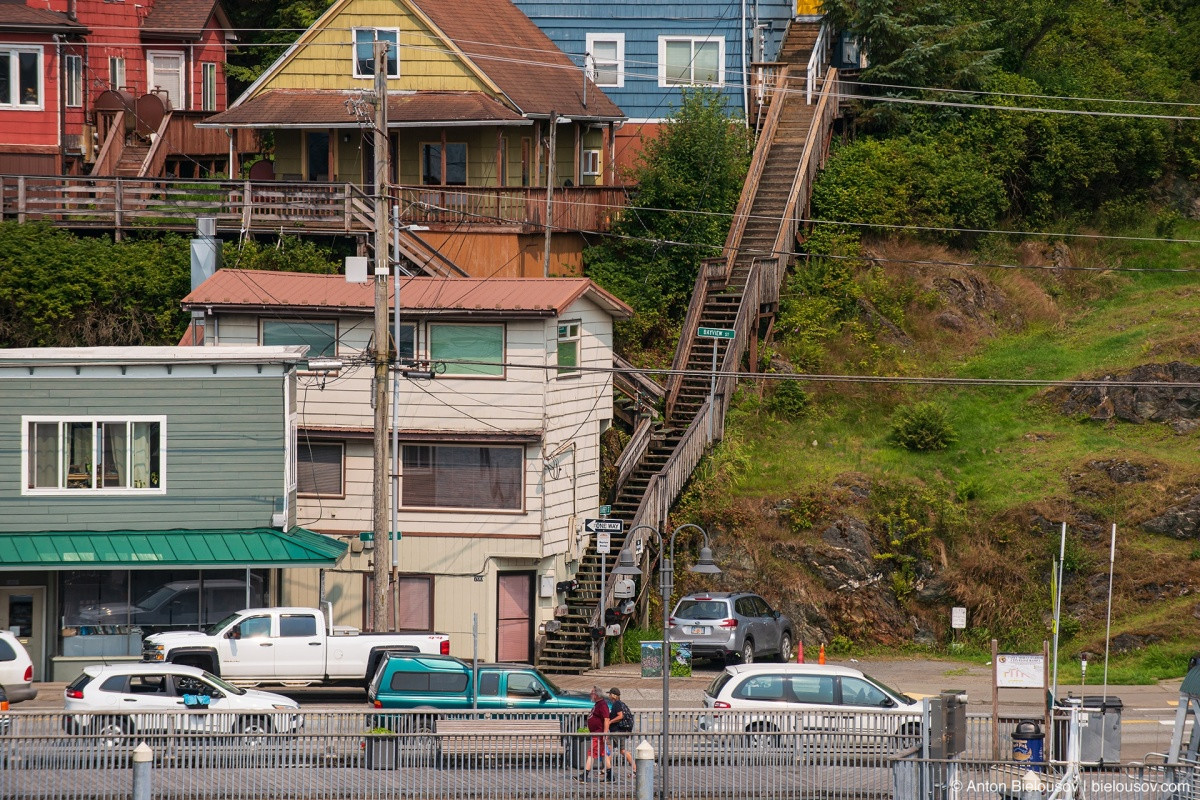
<point x="1028" y="744"/>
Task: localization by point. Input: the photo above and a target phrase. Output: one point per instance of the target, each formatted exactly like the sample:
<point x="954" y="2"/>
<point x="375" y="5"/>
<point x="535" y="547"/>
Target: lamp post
<point x="666" y="583"/>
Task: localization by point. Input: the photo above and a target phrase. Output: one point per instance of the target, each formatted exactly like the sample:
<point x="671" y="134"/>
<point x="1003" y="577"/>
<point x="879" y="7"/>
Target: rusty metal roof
<point x="16" y="16"/>
<point x="495" y="297"/>
<point x="329" y="109"/>
<point x="519" y="57"/>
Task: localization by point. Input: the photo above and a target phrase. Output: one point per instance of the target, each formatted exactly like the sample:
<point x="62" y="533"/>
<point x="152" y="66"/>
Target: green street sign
<point x="716" y="333"/>
<point x="605" y="510"/>
<point x="366" y="536"/>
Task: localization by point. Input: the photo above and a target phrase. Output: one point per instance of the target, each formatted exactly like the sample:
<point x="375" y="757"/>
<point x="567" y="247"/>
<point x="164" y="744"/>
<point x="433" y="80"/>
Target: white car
<point x="16" y="669"/>
<point x="115" y="702"/>
<point x="828" y="706"/>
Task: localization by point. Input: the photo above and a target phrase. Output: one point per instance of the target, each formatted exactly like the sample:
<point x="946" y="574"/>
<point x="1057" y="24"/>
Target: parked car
<point x="445" y="682"/>
<point x="731" y="626"/>
<point x="171" y="698"/>
<point x="834" y="705"/>
<point x="16" y="669"/>
<point x="286" y="646"/>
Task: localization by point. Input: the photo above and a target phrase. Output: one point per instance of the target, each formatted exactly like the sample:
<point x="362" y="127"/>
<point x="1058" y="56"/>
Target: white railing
<point x="816" y="62"/>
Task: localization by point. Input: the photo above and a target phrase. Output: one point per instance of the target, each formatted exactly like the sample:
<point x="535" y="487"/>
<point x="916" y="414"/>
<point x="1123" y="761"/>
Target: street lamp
<point x="666" y="583"/>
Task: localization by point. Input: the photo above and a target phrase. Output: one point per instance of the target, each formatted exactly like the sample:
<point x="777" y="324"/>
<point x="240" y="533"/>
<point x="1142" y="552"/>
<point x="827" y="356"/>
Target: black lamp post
<point x="666" y="583"/>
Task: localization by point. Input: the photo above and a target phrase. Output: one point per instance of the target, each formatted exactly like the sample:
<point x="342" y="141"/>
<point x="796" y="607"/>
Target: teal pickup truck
<point x="414" y="681"/>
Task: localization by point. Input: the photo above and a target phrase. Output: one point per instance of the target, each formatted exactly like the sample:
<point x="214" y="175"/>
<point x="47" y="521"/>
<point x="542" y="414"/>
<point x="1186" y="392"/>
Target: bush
<point x="788" y="401"/>
<point x="922" y="427"/>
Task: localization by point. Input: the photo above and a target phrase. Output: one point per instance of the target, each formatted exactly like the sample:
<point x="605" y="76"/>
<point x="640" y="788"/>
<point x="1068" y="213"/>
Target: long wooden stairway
<point x="731" y="294"/>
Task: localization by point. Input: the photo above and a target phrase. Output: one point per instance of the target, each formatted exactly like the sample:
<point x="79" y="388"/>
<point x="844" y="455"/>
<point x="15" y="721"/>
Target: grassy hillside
<point x="871" y="544"/>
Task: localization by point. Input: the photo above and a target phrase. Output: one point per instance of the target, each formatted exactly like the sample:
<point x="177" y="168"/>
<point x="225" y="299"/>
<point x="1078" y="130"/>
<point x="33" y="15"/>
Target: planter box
<point x="382" y="752"/>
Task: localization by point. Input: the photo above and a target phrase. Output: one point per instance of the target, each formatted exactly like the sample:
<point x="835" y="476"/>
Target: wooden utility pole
<point x="380" y="532"/>
<point x="550" y="190"/>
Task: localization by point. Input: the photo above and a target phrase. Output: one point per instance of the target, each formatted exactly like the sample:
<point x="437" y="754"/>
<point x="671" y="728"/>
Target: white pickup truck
<point x="286" y="647"/>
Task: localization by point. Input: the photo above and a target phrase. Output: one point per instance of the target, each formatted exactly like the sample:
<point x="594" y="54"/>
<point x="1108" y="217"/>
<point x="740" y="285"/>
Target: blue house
<point x="642" y="53"/>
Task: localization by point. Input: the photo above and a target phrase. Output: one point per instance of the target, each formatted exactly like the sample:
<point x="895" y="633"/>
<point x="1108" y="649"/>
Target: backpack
<point x="625" y="723"/>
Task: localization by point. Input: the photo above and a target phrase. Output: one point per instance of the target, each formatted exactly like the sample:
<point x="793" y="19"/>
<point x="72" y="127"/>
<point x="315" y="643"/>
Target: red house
<point x="112" y="87"/>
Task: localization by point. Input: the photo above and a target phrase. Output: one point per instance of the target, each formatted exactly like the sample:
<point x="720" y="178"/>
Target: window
<point x="116" y="72"/>
<point x="455" y="172"/>
<point x="606" y="67"/>
<point x="489" y="684"/>
<point x="481" y="347"/>
<point x="89" y="454"/>
<point x="208" y="86"/>
<point x="321" y="337"/>
<point x="254" y="628"/>
<point x="165" y="74"/>
<point x="690" y="60"/>
<point x="524" y="684"/>
<point x="73" y="69"/>
<point x="591" y="162"/>
<point x="462" y="476"/>
<point x="319" y="469"/>
<point x="568" y="348"/>
<point x="297" y="625"/>
<point x="857" y="692"/>
<point x="765" y="688"/>
<point x="364" y="51"/>
<point x="21" y="77"/>
<point x="452" y="682"/>
<point x="405" y="348"/>
<point x="416" y="602"/>
<point x="813" y="689"/>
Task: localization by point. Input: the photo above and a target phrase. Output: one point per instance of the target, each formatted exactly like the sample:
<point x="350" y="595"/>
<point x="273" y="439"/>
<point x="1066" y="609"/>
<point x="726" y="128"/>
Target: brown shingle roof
<point x="495" y="297"/>
<point x="16" y="16"/>
<point x="518" y="57"/>
<point x="328" y="109"/>
<point x="181" y="19"/>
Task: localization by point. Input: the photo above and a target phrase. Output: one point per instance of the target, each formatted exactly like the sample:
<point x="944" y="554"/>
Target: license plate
<point x="699" y="631"/>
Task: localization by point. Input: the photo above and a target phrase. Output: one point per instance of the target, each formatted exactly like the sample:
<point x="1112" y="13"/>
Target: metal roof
<point x="495" y="297"/>
<point x="312" y="108"/>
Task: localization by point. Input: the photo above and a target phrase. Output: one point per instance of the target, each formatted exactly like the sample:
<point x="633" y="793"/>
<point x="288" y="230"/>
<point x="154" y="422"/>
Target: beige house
<point x="499" y="452"/>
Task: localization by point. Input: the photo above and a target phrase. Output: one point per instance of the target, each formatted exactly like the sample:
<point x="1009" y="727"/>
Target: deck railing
<point x="124" y="203"/>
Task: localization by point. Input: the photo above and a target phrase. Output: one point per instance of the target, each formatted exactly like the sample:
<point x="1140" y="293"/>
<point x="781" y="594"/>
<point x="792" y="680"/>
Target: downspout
<point x="745" y="74"/>
<point x="61" y="103"/>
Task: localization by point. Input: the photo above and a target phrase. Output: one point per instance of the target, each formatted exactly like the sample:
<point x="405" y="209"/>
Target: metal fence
<point x="382" y="754"/>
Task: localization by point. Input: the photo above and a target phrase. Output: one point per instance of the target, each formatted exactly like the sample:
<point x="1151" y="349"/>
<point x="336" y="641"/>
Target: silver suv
<point x="731" y="626"/>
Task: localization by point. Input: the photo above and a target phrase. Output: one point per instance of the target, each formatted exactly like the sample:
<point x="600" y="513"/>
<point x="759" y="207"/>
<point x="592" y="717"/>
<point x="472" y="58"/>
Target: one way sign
<point x="606" y="525"/>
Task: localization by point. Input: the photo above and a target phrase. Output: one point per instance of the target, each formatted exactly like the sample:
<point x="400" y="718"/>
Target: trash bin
<point x="1027" y="744"/>
<point x="1099" y="729"/>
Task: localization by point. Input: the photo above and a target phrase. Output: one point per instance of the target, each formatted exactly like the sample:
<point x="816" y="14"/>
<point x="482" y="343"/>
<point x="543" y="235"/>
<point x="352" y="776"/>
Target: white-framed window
<point x="320" y="470"/>
<point x="116" y="72"/>
<point x="73" y="80"/>
<point x="93" y="455"/>
<point x="591" y="162"/>
<point x="691" y="61"/>
<point x="463" y="476"/>
<point x="481" y="346"/>
<point x="208" y="86"/>
<point x="606" y="65"/>
<point x="364" y="51"/>
<point x="568" y="349"/>
<point x="21" y="78"/>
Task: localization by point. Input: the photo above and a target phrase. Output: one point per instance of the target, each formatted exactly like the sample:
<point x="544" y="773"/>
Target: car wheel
<point x="112" y="731"/>
<point x="908" y="737"/>
<point x="785" y="647"/>
<point x="761" y="736"/>
<point x="254" y="731"/>
<point x="748" y="651"/>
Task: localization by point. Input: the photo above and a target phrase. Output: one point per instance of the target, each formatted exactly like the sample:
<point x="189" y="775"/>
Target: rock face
<point x="1140" y="404"/>
<point x="1179" y="522"/>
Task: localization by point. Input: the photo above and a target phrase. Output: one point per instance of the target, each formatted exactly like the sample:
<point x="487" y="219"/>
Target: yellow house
<point x="478" y="100"/>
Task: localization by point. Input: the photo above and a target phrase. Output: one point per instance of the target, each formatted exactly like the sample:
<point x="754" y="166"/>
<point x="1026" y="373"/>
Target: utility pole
<point x="382" y="536"/>
<point x="550" y="191"/>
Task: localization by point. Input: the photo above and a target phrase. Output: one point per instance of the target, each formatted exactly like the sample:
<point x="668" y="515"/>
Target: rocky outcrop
<point x="1180" y="521"/>
<point x="1132" y="398"/>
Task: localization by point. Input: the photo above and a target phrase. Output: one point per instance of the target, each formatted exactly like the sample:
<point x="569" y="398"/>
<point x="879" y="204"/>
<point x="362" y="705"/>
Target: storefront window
<point x="106" y="612"/>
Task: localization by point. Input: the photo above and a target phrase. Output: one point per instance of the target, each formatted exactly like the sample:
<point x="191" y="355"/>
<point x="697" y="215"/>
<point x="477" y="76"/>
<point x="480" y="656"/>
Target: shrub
<point x="788" y="401"/>
<point x="922" y="427"/>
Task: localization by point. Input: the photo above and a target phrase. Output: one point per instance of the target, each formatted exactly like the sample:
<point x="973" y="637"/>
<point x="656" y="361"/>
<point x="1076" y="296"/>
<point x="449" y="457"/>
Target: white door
<point x="166" y="73"/>
<point x="246" y="650"/>
<point x="299" y="650"/>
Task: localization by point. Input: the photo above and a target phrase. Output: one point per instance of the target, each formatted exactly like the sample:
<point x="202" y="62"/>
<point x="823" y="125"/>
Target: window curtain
<point x="140" y="460"/>
<point x="79" y="460"/>
<point x="114" y="469"/>
<point x="44" y="439"/>
<point x="483" y="343"/>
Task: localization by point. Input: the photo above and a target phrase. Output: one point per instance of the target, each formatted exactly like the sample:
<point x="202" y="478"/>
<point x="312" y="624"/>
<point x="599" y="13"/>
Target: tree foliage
<point x="689" y="180"/>
<point x="265" y="29"/>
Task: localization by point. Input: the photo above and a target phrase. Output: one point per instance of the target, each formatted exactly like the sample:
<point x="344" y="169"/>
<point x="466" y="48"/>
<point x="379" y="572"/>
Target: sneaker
<point x="610" y="777"/>
<point x="582" y="778"/>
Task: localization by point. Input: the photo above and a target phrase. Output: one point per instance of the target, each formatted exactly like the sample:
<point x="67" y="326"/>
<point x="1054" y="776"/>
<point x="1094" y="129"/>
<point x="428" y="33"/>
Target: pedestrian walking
<point x="597" y="723"/>
<point x="620" y="724"/>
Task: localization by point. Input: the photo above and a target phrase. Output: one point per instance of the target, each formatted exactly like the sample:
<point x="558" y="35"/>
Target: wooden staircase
<point x="731" y="293"/>
<point x="132" y="158"/>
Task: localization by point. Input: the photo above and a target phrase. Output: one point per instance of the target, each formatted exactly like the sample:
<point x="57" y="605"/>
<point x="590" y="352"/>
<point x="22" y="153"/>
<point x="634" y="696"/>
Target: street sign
<point x="958" y="618"/>
<point x="608" y="525"/>
<point x="605" y="510"/>
<point x="603" y="543"/>
<point x="717" y="333"/>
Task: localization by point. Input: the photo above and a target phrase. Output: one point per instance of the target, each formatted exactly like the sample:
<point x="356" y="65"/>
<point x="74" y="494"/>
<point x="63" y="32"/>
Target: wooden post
<point x="549" y="191"/>
<point x="21" y="199"/>
<point x="247" y="205"/>
<point x="995" y="701"/>
<point x="346" y="206"/>
<point x="611" y="156"/>
<point x="118" y="207"/>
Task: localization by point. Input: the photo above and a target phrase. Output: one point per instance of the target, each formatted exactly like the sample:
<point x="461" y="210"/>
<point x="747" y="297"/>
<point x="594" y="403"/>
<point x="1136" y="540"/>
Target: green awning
<point x="239" y="547"/>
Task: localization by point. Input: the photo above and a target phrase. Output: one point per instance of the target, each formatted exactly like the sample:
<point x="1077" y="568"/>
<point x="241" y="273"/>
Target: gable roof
<point x="183" y="19"/>
<point x="247" y="289"/>
<point x="499" y="44"/>
<point x="16" y="16"/>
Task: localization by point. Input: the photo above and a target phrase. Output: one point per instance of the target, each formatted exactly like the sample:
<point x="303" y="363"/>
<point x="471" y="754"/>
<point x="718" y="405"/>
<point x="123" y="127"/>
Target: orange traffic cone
<point x="799" y="652"/>
<point x="821" y="655"/>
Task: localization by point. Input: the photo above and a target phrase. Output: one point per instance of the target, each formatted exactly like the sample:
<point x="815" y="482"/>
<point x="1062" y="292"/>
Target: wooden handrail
<point x="710" y="269"/>
<point x="633" y="383"/>
<point x="156" y="158"/>
<point x="638" y="445"/>
<point x="110" y="151"/>
<point x="758" y="163"/>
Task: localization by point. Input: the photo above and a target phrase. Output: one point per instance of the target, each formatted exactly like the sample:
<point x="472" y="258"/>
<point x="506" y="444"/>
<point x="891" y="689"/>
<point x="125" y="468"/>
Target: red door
<point x="514" y="617"/>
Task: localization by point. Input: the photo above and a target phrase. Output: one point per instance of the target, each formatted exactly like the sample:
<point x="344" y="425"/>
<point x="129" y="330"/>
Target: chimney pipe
<point x="71" y="10"/>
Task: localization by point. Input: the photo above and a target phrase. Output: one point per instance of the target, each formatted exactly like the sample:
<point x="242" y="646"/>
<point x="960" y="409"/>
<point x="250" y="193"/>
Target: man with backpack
<point x="620" y="725"/>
